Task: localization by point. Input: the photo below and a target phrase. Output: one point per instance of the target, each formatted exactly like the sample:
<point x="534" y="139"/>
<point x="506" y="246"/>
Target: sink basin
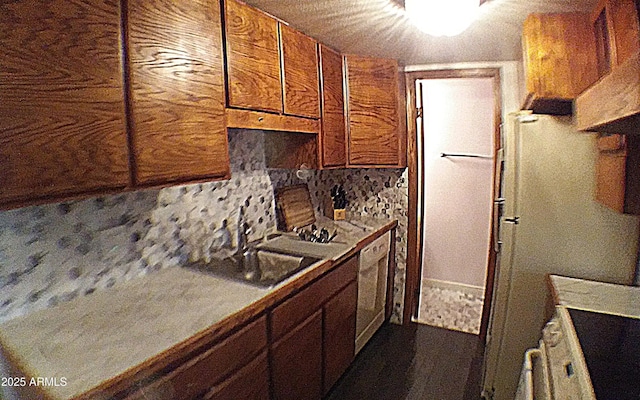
<point x="293" y="245"/>
<point x="267" y="267"/>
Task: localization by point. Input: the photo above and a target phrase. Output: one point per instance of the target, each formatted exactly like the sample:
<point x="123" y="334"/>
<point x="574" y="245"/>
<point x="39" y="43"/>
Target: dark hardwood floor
<point x="415" y="362"/>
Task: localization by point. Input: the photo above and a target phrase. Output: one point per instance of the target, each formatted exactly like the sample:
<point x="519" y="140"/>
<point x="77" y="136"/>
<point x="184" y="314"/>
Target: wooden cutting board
<point x="294" y="207"/>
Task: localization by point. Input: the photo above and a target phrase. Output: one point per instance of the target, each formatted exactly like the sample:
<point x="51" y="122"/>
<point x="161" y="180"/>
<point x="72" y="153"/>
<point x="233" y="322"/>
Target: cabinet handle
<point x="260" y="119"/>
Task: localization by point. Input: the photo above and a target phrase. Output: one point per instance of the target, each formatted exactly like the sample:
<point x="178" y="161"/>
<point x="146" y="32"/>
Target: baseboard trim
<point x="477" y="291"/>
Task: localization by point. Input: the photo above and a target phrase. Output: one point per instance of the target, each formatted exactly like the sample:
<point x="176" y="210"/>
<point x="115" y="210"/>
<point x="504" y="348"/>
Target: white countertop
<point x="96" y="338"/>
<point x="597" y="296"/>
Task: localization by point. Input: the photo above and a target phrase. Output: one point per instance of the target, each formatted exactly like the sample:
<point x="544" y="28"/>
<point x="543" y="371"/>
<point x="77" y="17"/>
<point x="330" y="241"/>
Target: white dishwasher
<point x="372" y="289"/>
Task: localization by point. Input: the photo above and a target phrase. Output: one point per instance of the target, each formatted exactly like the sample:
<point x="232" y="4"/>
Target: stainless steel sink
<point x="293" y="245"/>
<point x="261" y="268"/>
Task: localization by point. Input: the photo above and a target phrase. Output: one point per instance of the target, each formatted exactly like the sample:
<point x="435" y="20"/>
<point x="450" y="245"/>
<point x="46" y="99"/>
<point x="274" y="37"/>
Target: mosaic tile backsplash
<point x="54" y="253"/>
<point x="376" y="193"/>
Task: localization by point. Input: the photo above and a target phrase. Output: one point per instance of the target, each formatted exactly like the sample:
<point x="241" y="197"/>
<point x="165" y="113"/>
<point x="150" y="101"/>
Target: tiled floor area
<point x="450" y="309"/>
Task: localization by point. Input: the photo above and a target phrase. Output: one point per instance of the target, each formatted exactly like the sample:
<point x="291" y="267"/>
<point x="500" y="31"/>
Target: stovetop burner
<point x="315" y="235"/>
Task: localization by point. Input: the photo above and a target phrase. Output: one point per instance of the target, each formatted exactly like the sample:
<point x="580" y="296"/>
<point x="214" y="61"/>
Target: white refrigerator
<point x="549" y="223"/>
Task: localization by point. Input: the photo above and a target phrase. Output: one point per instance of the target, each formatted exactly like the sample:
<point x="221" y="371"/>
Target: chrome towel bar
<point x="466" y="155"/>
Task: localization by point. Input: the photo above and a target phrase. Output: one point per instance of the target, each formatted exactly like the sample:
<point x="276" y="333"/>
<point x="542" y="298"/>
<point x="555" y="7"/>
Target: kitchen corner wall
<point x="54" y="253"/>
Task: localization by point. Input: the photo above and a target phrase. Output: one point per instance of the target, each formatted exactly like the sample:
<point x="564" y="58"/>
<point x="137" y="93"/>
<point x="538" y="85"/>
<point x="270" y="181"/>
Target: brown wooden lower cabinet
<point x="249" y="383"/>
<point x="228" y="365"/>
<point x="312" y="343"/>
<point x="314" y="335"/>
<point x="339" y="334"/>
<point x="296" y="362"/>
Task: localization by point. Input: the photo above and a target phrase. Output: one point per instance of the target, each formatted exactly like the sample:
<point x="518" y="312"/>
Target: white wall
<point x="458" y="118"/>
<point x="512" y="91"/>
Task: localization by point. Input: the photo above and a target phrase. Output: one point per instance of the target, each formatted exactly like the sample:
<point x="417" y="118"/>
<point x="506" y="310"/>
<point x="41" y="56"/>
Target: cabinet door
<point x="625" y="28"/>
<point x="618" y="173"/>
<point x="300" y="72"/>
<point x="610" y="179"/>
<point x="617" y="32"/>
<point x="177" y="90"/>
<point x="560" y="60"/>
<point x="61" y="99"/>
<point x="253" y="58"/>
<point x="333" y="124"/>
<point x="373" y="111"/>
<point x="297" y="361"/>
<point x="339" y="334"/>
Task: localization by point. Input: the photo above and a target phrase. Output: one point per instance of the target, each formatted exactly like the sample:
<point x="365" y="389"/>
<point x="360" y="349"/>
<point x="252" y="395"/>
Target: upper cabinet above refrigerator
<point x="560" y="60"/>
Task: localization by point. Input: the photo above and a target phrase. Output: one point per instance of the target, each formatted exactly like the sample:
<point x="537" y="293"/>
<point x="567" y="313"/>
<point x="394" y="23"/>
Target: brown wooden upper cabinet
<point x="618" y="36"/>
<point x="560" y="60"/>
<point x="300" y="73"/>
<point x="74" y="126"/>
<point x="270" y="68"/>
<point x="253" y="58"/>
<point x="617" y="33"/>
<point x="333" y="150"/>
<point x="61" y="100"/>
<point x="374" y="135"/>
<point x="177" y="91"/>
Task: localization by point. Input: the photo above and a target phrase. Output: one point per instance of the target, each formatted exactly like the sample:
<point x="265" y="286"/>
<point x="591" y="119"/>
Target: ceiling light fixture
<point x="442" y="17"/>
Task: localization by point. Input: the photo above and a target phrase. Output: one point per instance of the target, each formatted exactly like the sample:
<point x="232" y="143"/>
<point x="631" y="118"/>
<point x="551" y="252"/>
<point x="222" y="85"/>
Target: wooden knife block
<point x="336" y="214"/>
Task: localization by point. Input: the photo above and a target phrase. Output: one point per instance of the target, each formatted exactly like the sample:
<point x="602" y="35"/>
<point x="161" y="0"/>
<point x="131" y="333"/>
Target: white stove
<point x="584" y="355"/>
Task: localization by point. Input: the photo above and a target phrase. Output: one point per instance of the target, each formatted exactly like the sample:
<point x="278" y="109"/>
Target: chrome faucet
<point x="243" y="232"/>
<point x="245" y="255"/>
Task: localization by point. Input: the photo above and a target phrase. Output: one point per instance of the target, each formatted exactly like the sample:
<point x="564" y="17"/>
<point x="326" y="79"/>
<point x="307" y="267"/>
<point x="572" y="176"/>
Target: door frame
<point x="415" y="223"/>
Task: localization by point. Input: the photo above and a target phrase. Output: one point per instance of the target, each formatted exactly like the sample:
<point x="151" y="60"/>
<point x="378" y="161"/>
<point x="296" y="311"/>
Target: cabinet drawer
<point x="199" y="374"/>
<point x="296" y="309"/>
<point x="250" y="383"/>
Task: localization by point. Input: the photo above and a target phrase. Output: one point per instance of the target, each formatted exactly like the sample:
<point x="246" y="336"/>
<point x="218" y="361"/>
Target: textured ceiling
<point x="380" y="28"/>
